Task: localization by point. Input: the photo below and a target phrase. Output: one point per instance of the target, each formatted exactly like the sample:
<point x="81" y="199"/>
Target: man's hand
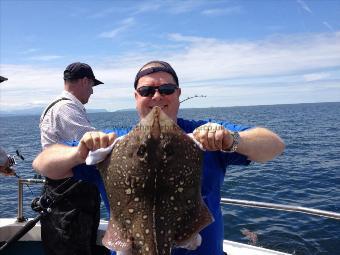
<point x="57" y="160"/>
<point x="193" y="243"/>
<point x="94" y="140"/>
<point x="213" y="137"/>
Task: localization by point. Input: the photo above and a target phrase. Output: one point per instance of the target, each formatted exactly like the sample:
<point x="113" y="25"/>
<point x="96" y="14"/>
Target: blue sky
<point x="249" y="52"/>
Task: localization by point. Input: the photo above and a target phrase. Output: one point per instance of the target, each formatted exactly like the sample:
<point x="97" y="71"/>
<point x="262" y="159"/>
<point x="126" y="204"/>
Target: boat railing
<point x="280" y="207"/>
<point x="225" y="201"/>
<point x="21" y="183"/>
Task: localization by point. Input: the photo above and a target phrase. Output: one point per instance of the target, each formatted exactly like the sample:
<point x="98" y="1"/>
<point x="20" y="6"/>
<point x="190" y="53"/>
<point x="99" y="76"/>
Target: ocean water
<point x="307" y="174"/>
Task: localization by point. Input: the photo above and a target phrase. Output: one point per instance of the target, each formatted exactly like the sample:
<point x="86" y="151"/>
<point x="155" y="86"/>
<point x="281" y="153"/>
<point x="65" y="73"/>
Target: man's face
<point x="87" y="89"/>
<point x="168" y="103"/>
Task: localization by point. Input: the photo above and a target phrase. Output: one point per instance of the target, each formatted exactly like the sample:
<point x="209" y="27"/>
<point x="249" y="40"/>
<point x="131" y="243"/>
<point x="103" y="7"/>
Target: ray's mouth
<point x="163" y="107"/>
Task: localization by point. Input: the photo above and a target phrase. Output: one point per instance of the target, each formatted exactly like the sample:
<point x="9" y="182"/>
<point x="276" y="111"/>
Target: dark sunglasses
<point x="164" y="89"/>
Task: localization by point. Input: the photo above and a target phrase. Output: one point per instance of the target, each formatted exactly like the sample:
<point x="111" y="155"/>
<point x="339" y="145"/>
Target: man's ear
<point x="136" y="95"/>
<point x="179" y="91"/>
<point x="83" y="81"/>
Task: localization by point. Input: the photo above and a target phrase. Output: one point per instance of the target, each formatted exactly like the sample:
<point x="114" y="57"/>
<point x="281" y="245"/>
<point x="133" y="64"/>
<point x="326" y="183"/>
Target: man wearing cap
<point x="72" y="225"/>
<point x="65" y="119"/>
<point x="156" y="84"/>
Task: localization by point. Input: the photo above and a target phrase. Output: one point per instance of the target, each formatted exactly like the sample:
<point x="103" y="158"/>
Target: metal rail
<point x="21" y="182"/>
<point x="280" y="207"/>
<point x="225" y="201"/>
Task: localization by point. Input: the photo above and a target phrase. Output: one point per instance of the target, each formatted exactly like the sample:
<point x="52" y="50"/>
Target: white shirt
<point x="66" y="121"/>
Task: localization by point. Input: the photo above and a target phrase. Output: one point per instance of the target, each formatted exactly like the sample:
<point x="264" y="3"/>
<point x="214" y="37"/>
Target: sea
<point x="306" y="174"/>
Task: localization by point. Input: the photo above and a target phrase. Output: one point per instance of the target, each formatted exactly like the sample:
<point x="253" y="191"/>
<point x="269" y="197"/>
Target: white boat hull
<point x="9" y="227"/>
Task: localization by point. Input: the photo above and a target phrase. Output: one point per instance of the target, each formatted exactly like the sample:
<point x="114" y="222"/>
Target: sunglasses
<point x="149" y="91"/>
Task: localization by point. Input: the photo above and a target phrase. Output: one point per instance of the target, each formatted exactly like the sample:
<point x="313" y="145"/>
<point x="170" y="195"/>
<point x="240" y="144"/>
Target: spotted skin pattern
<point x="152" y="180"/>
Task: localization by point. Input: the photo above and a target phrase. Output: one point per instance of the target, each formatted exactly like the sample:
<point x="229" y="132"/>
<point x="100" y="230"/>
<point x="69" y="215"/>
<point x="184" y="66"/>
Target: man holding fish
<point x="157" y="90"/>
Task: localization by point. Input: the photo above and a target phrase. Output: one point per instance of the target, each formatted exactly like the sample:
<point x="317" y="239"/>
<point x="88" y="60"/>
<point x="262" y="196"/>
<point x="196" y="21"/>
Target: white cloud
<point x="280" y="55"/>
<point x="29" y="76"/>
<point x="46" y="57"/>
<point x="30" y="86"/>
<point x="315" y="76"/>
<point x="190" y="39"/>
<point x="141" y="7"/>
<point x="124" y="25"/>
<point x="145" y="7"/>
<point x="222" y="11"/>
<point x="326" y="24"/>
<point x="179" y="7"/>
<point x="252" y="93"/>
<point x="304" y="6"/>
<point x="278" y="69"/>
<point x="103" y="13"/>
<point x="113" y="33"/>
<point x="135" y="9"/>
<point x="29" y="51"/>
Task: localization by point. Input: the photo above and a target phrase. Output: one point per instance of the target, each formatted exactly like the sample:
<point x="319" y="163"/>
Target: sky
<point x="232" y="52"/>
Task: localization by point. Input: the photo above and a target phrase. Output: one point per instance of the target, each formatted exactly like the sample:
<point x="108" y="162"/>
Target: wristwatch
<point x="236" y="139"/>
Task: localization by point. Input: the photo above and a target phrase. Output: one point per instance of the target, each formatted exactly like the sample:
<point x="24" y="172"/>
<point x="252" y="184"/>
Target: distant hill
<point x="38" y="111"/>
<point x="126" y="110"/>
<point x="95" y="110"/>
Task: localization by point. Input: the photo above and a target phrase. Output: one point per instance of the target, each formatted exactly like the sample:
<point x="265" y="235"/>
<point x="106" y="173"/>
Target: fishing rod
<point x="188" y="98"/>
<point x="43" y="205"/>
<point x="280" y="207"/>
<point x="3" y="79"/>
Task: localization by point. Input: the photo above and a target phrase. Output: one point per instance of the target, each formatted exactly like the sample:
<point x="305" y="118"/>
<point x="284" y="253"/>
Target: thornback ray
<point x="153" y="183"/>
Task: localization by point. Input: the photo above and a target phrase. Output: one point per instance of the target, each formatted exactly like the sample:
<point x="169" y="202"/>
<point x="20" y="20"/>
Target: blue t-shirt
<point x="214" y="168"/>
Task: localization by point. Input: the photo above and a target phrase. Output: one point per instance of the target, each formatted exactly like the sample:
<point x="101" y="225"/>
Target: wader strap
<point x="53" y="103"/>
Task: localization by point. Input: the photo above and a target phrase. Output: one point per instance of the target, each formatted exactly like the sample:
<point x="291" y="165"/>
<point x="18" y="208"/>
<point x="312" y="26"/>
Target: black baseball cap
<point x="160" y="66"/>
<point x="79" y="70"/>
<point x="3" y="79"/>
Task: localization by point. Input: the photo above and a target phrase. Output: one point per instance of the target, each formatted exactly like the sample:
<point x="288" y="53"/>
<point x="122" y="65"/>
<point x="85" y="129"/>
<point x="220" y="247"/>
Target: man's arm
<point x="57" y="161"/>
<point x="258" y="144"/>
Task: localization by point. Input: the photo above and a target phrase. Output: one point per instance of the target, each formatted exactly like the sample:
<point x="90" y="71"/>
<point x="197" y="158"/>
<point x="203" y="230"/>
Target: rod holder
<point x="21" y="182"/>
